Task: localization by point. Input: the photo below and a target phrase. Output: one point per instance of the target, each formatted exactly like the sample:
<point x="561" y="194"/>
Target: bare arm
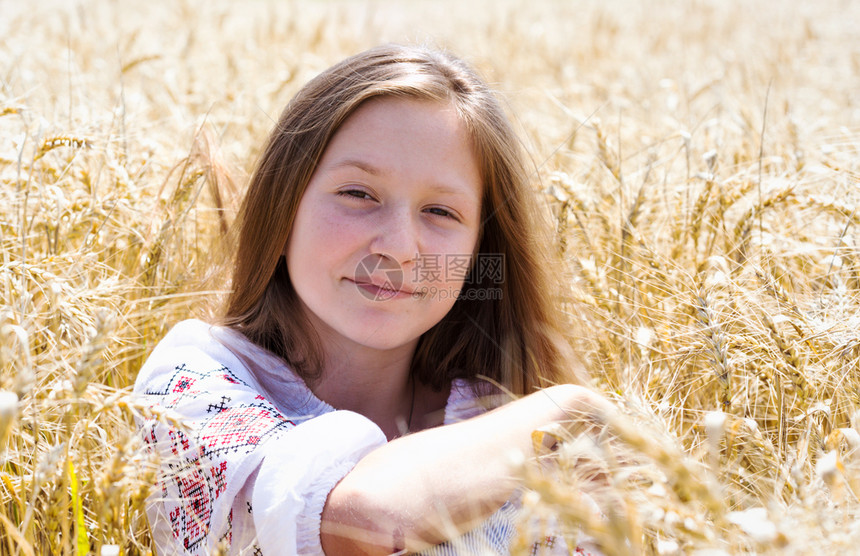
<point x="422" y="489"/>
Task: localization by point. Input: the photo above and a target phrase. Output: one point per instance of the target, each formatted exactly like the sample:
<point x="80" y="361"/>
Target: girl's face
<point x="387" y="227"/>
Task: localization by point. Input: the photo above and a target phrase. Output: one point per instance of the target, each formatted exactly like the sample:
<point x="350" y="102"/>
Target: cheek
<point x="323" y="244"/>
<point x="445" y="265"/>
<point x="306" y="239"/>
<point x="460" y="263"/>
<point x="315" y="228"/>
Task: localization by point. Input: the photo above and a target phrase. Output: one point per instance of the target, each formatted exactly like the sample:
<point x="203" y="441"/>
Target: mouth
<point x="382" y="291"/>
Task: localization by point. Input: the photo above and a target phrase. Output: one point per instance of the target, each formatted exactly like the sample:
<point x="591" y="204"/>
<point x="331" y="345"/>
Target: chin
<point x="383" y="338"/>
<point x="383" y="345"/>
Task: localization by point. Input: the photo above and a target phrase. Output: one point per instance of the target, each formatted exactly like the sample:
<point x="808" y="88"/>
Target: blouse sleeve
<point x="214" y="430"/>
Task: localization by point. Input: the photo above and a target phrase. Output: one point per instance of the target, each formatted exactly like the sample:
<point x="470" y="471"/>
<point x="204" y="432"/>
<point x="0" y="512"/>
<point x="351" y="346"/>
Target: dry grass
<point x="701" y="161"/>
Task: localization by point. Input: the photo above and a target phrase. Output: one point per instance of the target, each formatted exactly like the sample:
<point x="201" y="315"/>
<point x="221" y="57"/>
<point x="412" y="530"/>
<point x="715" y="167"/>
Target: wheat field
<point x="700" y="163"/>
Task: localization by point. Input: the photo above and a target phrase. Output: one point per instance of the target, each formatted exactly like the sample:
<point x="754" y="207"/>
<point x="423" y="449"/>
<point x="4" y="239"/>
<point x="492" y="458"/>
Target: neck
<point x="374" y="383"/>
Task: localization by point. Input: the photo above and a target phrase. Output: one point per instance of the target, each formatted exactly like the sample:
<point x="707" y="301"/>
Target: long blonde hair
<point x="514" y="338"/>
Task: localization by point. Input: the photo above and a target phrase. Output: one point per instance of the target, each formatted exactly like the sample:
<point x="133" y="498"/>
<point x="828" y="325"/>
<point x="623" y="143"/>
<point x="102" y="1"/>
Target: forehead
<point x="406" y="136"/>
<point x="414" y="114"/>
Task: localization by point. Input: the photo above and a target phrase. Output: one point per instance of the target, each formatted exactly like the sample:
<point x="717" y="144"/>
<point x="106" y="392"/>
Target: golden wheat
<point x="701" y="161"/>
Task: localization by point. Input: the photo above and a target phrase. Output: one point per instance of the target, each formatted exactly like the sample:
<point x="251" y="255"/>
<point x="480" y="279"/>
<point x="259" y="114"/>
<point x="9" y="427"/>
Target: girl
<point x="389" y="284"/>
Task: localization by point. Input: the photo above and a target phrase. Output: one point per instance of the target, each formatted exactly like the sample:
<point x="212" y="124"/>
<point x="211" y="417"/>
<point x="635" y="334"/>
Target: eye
<point x="355" y="194"/>
<point x="439" y="211"/>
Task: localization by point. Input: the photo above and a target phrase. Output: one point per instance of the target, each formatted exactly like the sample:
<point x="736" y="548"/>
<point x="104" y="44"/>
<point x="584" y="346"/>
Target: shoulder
<point x="195" y="356"/>
<point x="191" y="348"/>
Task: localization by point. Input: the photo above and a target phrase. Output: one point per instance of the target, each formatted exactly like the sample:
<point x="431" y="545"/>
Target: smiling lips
<point x="383" y="290"/>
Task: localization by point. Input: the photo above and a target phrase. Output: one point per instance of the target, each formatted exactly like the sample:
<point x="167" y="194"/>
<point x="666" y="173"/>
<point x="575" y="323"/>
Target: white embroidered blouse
<point x="257" y="453"/>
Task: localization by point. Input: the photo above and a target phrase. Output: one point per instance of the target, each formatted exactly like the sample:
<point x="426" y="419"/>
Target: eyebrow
<point x="373" y="170"/>
<point x="362" y="165"/>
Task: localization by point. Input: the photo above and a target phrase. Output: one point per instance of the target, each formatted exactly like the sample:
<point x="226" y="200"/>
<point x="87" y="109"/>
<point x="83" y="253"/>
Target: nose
<point x="396" y="236"/>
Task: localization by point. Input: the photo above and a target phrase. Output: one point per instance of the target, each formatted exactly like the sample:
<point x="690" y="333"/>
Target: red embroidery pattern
<point x="234" y="428"/>
<point x="218" y="472"/>
<point x="222" y="430"/>
<point x="196" y="503"/>
<point x="183" y="384"/>
<point x="227" y="539"/>
<point x="549" y="542"/>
